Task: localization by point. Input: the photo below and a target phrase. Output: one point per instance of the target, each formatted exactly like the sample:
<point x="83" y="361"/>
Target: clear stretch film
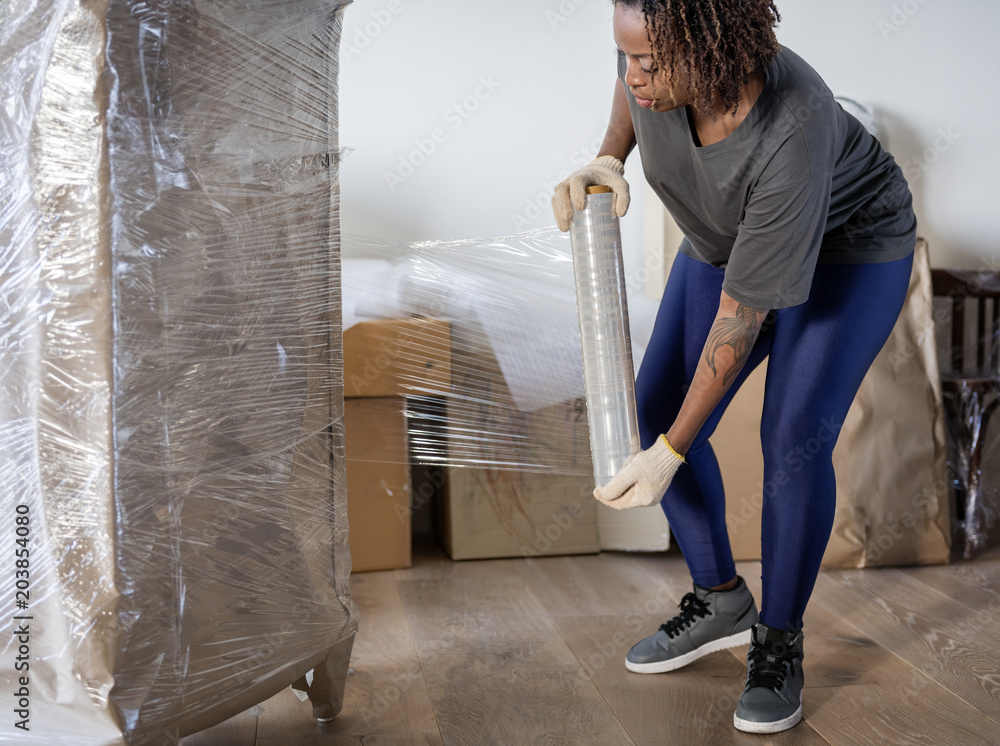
<point x="604" y="334"/>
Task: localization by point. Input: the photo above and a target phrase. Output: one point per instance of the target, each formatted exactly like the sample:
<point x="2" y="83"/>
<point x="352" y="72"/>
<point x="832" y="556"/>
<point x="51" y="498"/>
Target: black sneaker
<point x="709" y="621"/>
<point x="772" y="697"/>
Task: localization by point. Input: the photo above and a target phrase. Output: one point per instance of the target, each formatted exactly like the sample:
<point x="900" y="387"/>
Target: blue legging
<point x="819" y="354"/>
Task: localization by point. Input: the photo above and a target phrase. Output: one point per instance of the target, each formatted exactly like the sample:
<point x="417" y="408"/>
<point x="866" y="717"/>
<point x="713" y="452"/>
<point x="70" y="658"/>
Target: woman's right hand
<point x="644" y="478"/>
<point x="605" y="171"/>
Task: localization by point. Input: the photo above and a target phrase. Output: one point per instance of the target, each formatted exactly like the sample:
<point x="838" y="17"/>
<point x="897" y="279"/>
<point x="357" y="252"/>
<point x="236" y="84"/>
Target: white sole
<point x="723" y="643"/>
<point x="750" y="726"/>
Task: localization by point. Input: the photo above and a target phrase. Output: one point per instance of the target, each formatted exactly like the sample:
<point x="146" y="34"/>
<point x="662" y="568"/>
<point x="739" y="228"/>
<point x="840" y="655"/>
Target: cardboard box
<point x="737" y="444"/>
<point x="518" y="483"/>
<point x="378" y="483"/>
<point x="397" y="357"/>
<point x="506" y="513"/>
<point x="384" y="361"/>
<point x="505" y="483"/>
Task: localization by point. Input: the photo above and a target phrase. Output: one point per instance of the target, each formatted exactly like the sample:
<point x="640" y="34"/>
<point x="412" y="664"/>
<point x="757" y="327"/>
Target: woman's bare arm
<point x="620" y="137"/>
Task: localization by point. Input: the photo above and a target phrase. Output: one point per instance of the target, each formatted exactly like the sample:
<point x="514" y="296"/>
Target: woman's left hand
<point x="644" y="478"/>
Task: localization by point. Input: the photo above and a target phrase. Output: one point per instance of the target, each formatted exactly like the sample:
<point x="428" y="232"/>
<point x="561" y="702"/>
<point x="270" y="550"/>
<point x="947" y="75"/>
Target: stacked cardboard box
<point x="518" y="483"/>
<point x="427" y="402"/>
<point x="384" y="361"/>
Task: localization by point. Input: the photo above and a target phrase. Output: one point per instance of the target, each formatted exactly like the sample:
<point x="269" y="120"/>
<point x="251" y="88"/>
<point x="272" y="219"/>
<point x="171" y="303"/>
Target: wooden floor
<point x="526" y="652"/>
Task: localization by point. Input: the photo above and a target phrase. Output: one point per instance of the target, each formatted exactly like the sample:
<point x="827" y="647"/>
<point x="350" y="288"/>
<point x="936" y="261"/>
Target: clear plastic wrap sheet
<point x="478" y="341"/>
<point x="514" y="346"/>
<point x="974" y="481"/>
<point x="171" y="412"/>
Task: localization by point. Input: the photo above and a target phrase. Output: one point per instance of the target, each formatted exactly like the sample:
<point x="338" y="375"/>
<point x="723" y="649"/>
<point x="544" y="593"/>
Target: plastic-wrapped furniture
<point x="971" y="388"/>
<point x="171" y="406"/>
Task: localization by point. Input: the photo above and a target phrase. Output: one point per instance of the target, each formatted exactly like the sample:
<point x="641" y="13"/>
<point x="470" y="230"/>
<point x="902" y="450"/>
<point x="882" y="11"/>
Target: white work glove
<point x="605" y="171"/>
<point x="644" y="478"/>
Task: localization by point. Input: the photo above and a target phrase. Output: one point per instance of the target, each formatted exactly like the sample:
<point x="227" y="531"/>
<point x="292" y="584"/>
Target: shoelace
<point x="690" y="607"/>
<point x="767" y="666"/>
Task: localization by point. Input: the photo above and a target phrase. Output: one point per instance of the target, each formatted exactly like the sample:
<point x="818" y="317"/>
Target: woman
<point x="799" y="236"/>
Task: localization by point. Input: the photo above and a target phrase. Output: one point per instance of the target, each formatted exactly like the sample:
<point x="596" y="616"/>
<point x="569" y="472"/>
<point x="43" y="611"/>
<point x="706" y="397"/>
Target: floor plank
<point x="388" y="694"/>
<point x="691" y="706"/>
<point x="840" y="655"/>
<point x="954" y="645"/>
<point x="430" y="562"/>
<point x="596" y="585"/>
<point x="532" y="651"/>
<point x="240" y="730"/>
<point x="385" y="691"/>
<point x="666" y="570"/>
<point x="924" y="714"/>
<point x="497" y="670"/>
<point x="371" y="739"/>
<point x="836" y="652"/>
<point x="975" y="585"/>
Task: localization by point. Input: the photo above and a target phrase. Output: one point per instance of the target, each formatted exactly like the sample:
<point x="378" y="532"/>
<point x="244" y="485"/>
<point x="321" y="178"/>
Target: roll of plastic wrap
<point x="604" y="333"/>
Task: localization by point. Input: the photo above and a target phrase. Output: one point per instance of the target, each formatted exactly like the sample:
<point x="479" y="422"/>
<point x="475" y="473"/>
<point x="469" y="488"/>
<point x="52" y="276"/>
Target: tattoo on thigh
<point x="739" y="333"/>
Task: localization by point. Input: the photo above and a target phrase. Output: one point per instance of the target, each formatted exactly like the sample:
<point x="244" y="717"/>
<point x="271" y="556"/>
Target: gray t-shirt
<point x="800" y="181"/>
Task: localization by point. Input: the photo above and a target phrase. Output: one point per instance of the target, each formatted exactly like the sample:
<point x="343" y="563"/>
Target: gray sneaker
<point x="772" y="697"/>
<point x="709" y="621"/>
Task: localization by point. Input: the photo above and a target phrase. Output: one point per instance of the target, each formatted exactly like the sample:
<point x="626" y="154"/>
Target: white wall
<point x="928" y="69"/>
<point x="517" y="92"/>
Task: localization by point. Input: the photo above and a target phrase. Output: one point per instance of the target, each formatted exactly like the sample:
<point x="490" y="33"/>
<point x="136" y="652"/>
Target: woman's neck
<point x="716" y="126"/>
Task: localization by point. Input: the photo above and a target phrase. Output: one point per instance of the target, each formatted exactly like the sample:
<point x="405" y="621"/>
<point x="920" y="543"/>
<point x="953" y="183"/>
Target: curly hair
<point x="719" y="43"/>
